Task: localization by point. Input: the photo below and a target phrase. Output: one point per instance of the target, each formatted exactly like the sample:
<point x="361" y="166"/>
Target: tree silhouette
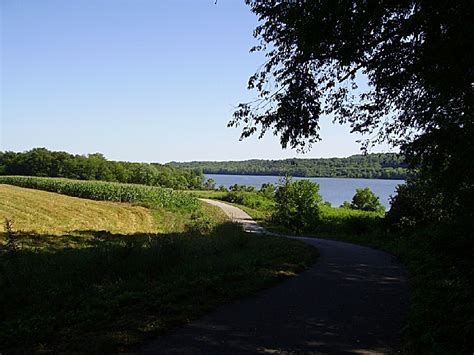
<point x="417" y="57"/>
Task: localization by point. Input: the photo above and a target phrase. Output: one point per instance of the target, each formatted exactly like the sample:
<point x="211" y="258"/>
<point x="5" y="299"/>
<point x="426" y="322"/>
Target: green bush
<point x="268" y="191"/>
<point x="416" y="204"/>
<point x="249" y="199"/>
<point x="209" y="184"/>
<point x="297" y="204"/>
<point x="234" y="197"/>
<point x="242" y="188"/>
<point x="337" y="221"/>
<point x="345" y="204"/>
<point x="365" y="200"/>
<point x="201" y="224"/>
<point x="248" y="196"/>
<point x="107" y="191"/>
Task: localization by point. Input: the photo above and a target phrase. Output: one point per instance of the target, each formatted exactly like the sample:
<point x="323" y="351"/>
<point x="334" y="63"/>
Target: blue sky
<point x="137" y="80"/>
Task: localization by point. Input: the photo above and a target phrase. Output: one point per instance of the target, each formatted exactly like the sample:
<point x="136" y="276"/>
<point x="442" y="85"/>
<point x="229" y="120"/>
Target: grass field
<point x="92" y="276"/>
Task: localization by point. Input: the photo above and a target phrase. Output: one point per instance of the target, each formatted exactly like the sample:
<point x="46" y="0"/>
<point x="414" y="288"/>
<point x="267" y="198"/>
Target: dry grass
<point x="41" y="212"/>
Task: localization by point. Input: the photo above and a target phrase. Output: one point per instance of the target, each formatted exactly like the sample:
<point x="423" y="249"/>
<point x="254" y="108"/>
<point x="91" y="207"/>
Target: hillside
<point x="373" y="166"/>
<point x="85" y="276"/>
<point x="46" y="212"/>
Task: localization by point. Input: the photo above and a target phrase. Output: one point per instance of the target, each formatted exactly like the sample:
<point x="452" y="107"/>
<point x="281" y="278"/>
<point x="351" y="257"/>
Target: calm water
<point x="333" y="190"/>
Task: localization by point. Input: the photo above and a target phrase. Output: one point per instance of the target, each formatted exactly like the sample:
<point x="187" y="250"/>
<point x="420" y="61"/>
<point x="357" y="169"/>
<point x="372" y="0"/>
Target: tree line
<point x="371" y="166"/>
<point x="42" y="162"/>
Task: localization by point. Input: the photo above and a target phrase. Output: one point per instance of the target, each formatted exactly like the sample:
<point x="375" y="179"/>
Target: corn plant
<point x="149" y="196"/>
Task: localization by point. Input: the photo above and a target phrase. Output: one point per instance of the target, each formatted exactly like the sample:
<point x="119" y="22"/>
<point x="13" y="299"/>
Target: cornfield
<point x="149" y="196"/>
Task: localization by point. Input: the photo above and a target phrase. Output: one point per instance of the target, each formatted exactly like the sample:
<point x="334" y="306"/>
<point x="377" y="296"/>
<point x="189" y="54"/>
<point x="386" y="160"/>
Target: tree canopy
<point x="364" y="199"/>
<point x="416" y="56"/>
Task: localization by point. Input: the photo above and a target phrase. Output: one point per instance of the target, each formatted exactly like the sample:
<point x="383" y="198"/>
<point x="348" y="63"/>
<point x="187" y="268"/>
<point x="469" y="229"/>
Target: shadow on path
<point x="352" y="301"/>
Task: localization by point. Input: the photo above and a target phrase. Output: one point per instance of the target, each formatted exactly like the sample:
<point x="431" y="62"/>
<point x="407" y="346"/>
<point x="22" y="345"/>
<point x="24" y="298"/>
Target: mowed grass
<point x="41" y="212"/>
<point x="98" y="288"/>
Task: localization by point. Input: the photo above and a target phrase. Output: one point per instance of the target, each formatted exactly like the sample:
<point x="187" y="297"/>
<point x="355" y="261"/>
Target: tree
<point x="267" y="190"/>
<point x="209" y="184"/>
<point x="416" y="56"/>
<point x="297" y="203"/>
<point x="364" y="199"/>
<point x="345" y="204"/>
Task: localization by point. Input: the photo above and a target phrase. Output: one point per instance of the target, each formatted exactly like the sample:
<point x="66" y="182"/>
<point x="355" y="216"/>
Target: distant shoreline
<point x="301" y="176"/>
<point x="388" y="166"/>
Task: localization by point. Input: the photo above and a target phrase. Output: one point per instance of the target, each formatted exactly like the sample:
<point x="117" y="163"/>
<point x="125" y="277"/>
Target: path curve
<point x="354" y="300"/>
<point x="238" y="216"/>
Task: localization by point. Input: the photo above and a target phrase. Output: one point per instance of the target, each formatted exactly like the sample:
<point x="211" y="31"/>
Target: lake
<point x="333" y="190"/>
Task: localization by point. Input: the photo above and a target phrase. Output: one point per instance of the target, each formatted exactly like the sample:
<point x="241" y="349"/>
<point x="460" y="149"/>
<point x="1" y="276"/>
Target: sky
<point x="137" y="80"/>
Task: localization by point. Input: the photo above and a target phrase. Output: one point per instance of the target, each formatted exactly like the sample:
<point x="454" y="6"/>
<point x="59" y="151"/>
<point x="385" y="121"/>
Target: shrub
<point x="418" y="204"/>
<point x="297" y="204"/>
<point x="365" y="200"/>
<point x="345" y="204"/>
<point x="242" y="188"/>
<point x="235" y="197"/>
<point x="268" y="191"/>
<point x="249" y="199"/>
<point x="209" y="184"/>
<point x="340" y="221"/>
<point x="12" y="243"/>
<point x="201" y="224"/>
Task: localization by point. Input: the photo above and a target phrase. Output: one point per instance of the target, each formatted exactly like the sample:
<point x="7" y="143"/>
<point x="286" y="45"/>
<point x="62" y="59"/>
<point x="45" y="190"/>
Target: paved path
<point x="238" y="216"/>
<point x="352" y="301"/>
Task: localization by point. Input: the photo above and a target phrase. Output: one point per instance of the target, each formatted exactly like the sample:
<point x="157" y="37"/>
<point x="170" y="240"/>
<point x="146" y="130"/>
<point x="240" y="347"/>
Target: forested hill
<point x="373" y="166"/>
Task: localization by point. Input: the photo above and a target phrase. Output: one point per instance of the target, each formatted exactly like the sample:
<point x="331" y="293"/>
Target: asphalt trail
<point x="354" y="300"/>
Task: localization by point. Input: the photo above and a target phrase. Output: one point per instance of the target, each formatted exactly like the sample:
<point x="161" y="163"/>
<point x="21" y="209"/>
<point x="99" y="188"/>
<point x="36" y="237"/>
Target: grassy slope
<point x="45" y="212"/>
<point x="118" y="289"/>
